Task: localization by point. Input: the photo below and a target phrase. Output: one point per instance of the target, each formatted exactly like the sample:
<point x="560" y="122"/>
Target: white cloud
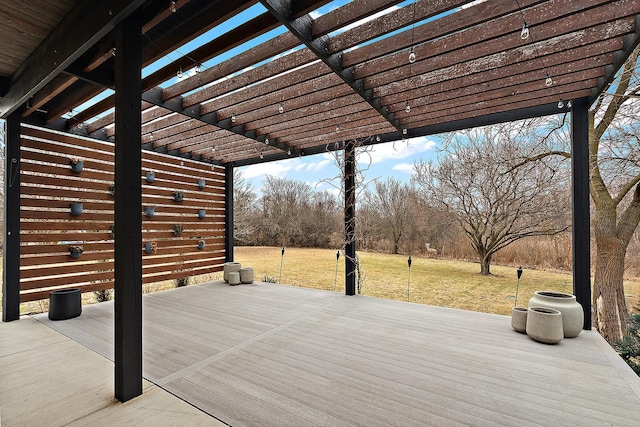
<point x="279" y="169"/>
<point x="398" y="150"/>
<point x="317" y="166"/>
<point x="404" y="167"/>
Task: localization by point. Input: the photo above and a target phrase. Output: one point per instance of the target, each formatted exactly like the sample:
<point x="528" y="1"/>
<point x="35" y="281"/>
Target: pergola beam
<point x="581" y="219"/>
<point x="127" y="215"/>
<point x="11" y="248"/>
<point x="302" y="28"/>
<point x="83" y="27"/>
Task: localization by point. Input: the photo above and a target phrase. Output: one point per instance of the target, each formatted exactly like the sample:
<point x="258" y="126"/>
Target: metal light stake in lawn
<point x="409" y="279"/>
<point x="281" y="259"/>
<point x="515" y="303"/>
<point x="335" y="280"/>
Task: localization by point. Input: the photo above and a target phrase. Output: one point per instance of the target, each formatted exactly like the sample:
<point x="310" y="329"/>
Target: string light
<point x="179" y="73"/>
<point x="407" y="107"/>
<point x="560" y="103"/>
<point x="412" y="56"/>
<point x="524" y="34"/>
<point x="233" y="118"/>
<point x="261" y="156"/>
<point x="198" y="68"/>
<point x="378" y="138"/>
<point x="289" y="152"/>
<point x="569" y="104"/>
<point x="266" y="140"/>
<point x="151" y="136"/>
<point x="548" y="81"/>
<point x="337" y="128"/>
<point x="172" y="7"/>
<point x="404" y="131"/>
<point x="281" y="108"/>
<point x="213" y="148"/>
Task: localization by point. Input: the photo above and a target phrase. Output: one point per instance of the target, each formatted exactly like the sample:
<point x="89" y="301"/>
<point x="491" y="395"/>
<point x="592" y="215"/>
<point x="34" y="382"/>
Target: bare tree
<point x="244" y="204"/>
<point x="494" y="203"/>
<point x="390" y="203"/>
<point x="614" y="165"/>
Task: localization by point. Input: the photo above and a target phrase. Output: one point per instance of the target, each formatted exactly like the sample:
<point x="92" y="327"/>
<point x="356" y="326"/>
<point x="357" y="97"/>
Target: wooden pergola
<point x="310" y="81"/>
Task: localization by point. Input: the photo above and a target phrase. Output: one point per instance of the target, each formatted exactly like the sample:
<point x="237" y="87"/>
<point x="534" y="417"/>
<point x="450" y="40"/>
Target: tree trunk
<point x="610" y="309"/>
<point x="485" y="265"/>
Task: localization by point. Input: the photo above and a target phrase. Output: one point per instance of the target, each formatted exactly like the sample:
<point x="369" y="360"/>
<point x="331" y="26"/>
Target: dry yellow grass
<point x="445" y="283"/>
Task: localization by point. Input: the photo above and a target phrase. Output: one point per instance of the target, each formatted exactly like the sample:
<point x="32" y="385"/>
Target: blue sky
<point x="392" y="159"/>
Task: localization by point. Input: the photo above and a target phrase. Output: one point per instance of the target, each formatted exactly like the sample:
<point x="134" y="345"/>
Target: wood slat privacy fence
<point x="49" y="231"/>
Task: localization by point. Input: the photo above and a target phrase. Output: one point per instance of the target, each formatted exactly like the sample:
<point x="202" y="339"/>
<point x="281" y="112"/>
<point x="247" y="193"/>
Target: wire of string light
<point x="525" y="33"/>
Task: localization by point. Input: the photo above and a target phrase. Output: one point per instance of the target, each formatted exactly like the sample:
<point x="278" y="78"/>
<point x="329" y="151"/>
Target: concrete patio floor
<point x="266" y="354"/>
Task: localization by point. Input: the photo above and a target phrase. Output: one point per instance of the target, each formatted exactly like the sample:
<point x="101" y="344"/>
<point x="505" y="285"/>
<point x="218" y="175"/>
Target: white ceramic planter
<point x="519" y="319"/>
<point x="234" y="278"/>
<point x="544" y="325"/>
<point x="246" y="275"/>
<point x="572" y="313"/>
<point x="230" y="267"/>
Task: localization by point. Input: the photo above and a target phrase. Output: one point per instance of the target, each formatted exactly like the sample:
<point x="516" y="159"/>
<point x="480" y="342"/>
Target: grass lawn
<point x="446" y="283"/>
<point x="455" y="284"/>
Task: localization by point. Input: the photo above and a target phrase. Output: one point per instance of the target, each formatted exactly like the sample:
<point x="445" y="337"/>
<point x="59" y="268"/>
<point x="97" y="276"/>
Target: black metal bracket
<point x="302" y="28"/>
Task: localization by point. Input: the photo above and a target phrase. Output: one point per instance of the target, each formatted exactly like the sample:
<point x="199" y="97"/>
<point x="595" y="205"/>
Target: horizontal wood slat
<point x="48" y="229"/>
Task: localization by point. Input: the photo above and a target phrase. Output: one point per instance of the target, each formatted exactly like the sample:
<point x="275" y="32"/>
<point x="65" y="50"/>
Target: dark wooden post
<point x="128" y="211"/>
<point x="228" y="212"/>
<point x="581" y="216"/>
<point x="11" y="259"/>
<point x="350" y="217"/>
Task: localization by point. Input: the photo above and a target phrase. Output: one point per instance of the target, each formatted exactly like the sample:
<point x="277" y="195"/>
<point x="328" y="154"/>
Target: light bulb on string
<point x="569" y="104"/>
<point x="337" y="128"/>
<point x="548" y="81"/>
<point x="261" y="156"/>
<point x="198" y="68"/>
<point x="404" y="131"/>
<point x="172" y="7"/>
<point x="179" y="73"/>
<point x="281" y="108"/>
<point x="524" y="34"/>
<point x="266" y="140"/>
<point x="378" y="138"/>
<point x="151" y="136"/>
<point x="412" y="56"/>
<point x="560" y="103"/>
<point x="213" y="148"/>
<point x="407" y="107"/>
<point x="289" y="152"/>
<point x="233" y="118"/>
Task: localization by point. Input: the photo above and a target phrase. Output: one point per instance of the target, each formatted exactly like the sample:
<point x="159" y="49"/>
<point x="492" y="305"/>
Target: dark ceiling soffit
<point x="87" y="23"/>
<point x="301" y="28"/>
<point x="491" y="119"/>
<point x="4" y="86"/>
<point x="630" y="42"/>
<point x="154" y="96"/>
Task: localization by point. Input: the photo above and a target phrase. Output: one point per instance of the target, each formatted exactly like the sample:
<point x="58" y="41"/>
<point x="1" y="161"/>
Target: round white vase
<point x="519" y="319"/>
<point x="544" y="325"/>
<point x="572" y="313"/>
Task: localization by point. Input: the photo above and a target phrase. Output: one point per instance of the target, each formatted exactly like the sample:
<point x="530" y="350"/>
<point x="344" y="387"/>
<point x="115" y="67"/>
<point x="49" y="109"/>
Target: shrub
<point x="629" y="346"/>
<point x="103" y="295"/>
<point x="269" y="279"/>
<point x="181" y="281"/>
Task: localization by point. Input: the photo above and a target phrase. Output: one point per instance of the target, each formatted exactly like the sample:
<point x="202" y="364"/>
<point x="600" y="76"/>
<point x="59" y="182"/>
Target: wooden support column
<point x="228" y="212"/>
<point x="350" y="217"/>
<point x="11" y="252"/>
<point x="128" y="211"/>
<point x="580" y="208"/>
